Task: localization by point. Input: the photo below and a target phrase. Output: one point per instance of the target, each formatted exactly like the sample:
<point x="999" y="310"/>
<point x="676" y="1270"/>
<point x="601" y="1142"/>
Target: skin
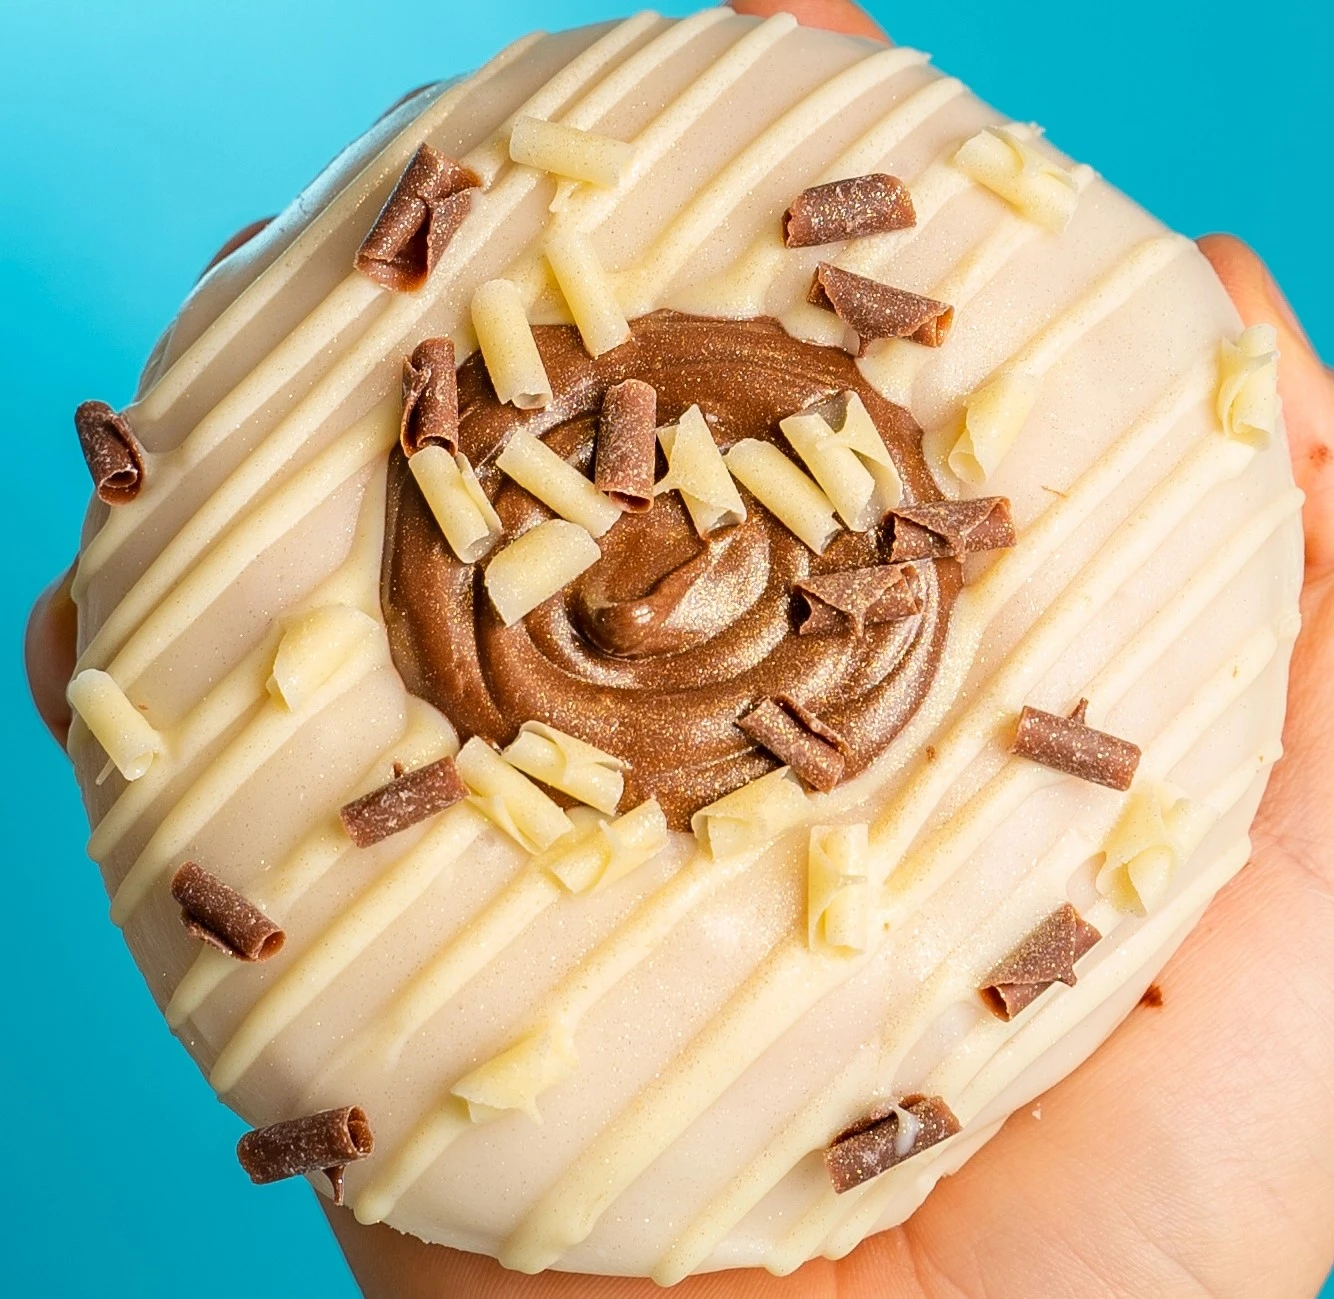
<point x="1194" y="1155"/>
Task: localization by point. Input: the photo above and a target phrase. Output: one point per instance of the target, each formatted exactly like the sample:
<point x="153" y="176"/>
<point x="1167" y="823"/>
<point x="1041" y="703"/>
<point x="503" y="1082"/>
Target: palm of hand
<point x="1195" y="1154"/>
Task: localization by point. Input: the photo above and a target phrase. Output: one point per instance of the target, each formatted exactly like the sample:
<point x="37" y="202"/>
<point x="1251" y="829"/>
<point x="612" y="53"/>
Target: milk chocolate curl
<point x="417" y="222"/>
<point x="950" y="529"/>
<point x="627" y="445"/>
<point x="848" y="209"/>
<point x="430" y="398"/>
<point x="218" y="915"/>
<point x="798" y="738"/>
<point x="1046" y="956"/>
<point x="323" y="1142"/>
<point x="856" y="599"/>
<point x="874" y="1146"/>
<point x="403" y="802"/>
<point x="1068" y="744"/>
<point x="115" y="459"/>
<point x="876" y="310"/>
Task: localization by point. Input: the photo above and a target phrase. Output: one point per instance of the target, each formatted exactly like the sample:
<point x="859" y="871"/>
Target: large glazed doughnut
<point x="638" y="701"/>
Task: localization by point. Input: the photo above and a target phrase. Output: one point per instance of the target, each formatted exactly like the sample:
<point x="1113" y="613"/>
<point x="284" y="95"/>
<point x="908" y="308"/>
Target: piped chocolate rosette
<point x="660" y="650"/>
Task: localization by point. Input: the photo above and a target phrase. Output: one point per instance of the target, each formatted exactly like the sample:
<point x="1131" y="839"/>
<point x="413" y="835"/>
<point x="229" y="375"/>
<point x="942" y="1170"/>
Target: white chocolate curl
<point x="851" y="462"/>
<point x="508" y="347"/>
<point x="599" y="854"/>
<point x="1159" y="828"/>
<point x="993" y="417"/>
<point x="1248" y="403"/>
<point x="469" y="523"/>
<point x="534" y="567"/>
<point x="569" y="764"/>
<point x="514" y="1079"/>
<point x="556" y="483"/>
<point x="751" y="816"/>
<point x="784" y="490"/>
<point x="509" y="799"/>
<point x="588" y="291"/>
<point x="568" y="151"/>
<point x="314" y="646"/>
<point x="116" y="724"/>
<point x="695" y="468"/>
<point x="1041" y="189"/>
<point x="839" y="905"/>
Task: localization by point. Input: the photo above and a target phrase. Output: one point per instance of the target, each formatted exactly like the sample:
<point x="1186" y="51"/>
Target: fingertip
<point x="1305" y="384"/>
<point x="832" y="15"/>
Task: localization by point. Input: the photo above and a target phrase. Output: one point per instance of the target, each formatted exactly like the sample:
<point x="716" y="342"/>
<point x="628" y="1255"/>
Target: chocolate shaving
<point x="872" y="1147"/>
<point x="848" y="209"/>
<point x="218" y="915"/>
<point x="115" y="458"/>
<point x="1046" y="956"/>
<point x="627" y="445"/>
<point x="403" y="802"/>
<point x="1152" y="998"/>
<point x="798" y="738"/>
<point x="856" y="599"/>
<point x="876" y="310"/>
<point x="417" y="222"/>
<point x="430" y="398"/>
<point x="324" y="1142"/>
<point x="1068" y="744"/>
<point x="950" y="529"/>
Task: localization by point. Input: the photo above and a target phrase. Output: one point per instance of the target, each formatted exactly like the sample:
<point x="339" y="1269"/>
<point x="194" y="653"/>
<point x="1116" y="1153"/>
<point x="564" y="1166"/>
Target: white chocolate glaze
<point x="691" y="1018"/>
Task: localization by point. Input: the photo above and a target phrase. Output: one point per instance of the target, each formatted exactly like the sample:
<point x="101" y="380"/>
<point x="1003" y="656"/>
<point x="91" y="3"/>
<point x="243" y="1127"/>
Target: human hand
<point x="1195" y="1154"/>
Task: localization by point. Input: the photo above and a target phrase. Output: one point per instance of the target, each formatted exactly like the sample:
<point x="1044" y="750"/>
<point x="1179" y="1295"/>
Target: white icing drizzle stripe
<point x="640" y="287"/>
<point x="566" y="1004"/>
<point x="893" y="364"/>
<point x="584" y="209"/>
<point x="364" y="444"/>
<point x="239" y="692"/>
<point x="276" y="891"/>
<point x="335" y="316"/>
<point x="365" y="919"/>
<point x="443" y="1124"/>
<point x="465" y="956"/>
<point x="272" y="727"/>
<point x="595" y="66"/>
<point x="1112" y="290"/>
<point x="312" y="858"/>
<point x="744" y="286"/>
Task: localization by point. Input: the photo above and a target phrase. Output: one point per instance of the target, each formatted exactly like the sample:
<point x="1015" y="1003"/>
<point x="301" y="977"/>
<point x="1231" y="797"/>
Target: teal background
<point x="135" y="136"/>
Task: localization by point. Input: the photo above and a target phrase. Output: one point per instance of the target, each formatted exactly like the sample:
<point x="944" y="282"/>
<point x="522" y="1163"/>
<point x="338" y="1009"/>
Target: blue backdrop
<point x="135" y="136"/>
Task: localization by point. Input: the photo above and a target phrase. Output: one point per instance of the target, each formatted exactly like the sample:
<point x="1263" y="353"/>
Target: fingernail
<point x="1284" y="309"/>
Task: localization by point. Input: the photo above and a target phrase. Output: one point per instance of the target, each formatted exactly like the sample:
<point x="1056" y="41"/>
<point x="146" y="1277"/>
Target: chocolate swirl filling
<point x="656" y="651"/>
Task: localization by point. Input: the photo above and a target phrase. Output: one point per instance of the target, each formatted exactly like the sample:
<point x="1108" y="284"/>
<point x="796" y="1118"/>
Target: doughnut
<point x="683" y="633"/>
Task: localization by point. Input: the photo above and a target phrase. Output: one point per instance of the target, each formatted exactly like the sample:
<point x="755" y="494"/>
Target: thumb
<point x="1305" y="384"/>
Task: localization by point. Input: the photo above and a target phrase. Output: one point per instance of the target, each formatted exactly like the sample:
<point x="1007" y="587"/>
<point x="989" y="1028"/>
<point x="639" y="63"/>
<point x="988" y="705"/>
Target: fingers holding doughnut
<point x="49" y="653"/>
